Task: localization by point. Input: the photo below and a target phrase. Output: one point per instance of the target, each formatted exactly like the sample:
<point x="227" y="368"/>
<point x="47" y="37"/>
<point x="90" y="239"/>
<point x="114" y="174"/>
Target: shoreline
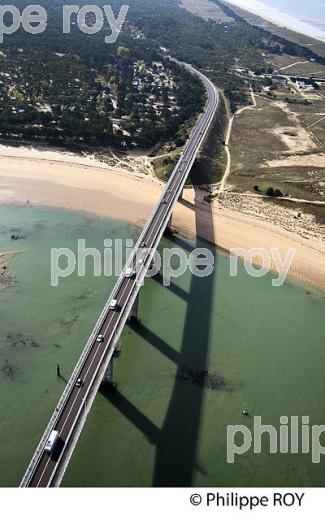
<point x="113" y="192"/>
<point x="275" y="16"/>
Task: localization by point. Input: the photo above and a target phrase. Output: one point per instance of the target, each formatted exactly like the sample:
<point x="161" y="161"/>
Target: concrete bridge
<point x="96" y="361"/>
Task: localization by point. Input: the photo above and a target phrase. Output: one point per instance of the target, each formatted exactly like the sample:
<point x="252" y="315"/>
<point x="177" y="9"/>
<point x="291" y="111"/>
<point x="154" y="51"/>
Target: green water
<point x="268" y="344"/>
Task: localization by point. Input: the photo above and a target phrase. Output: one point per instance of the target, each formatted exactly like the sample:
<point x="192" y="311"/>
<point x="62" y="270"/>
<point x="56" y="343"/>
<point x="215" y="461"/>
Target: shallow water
<point x="265" y="344"/>
<point x="41" y="326"/>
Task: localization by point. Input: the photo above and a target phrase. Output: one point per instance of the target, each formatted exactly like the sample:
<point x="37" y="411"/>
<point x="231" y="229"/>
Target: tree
<point x="123" y="52"/>
<point x="271" y="192"/>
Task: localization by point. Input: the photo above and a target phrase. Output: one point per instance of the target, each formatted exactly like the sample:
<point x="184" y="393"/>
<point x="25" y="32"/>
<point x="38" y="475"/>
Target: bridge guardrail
<point x="74" y="376"/>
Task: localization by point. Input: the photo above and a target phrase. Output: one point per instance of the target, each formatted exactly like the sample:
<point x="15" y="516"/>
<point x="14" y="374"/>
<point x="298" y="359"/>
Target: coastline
<point x="280" y="18"/>
<point x="113" y="192"/>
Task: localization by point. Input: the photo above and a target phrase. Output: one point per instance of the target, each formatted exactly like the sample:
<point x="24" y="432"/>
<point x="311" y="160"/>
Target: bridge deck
<point x="47" y="469"/>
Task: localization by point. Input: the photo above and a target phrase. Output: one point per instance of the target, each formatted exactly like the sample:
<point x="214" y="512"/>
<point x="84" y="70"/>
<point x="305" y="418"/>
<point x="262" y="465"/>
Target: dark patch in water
<point x="88" y="293"/>
<point x="18" y="340"/>
<point x="6" y="277"/>
<point x="69" y="322"/>
<point x="16" y="235"/>
<point x="8" y="370"/>
<point x="34" y="344"/>
<point x="203" y="379"/>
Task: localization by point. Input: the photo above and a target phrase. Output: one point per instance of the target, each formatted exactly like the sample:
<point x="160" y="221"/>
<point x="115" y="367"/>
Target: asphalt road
<point x="47" y="465"/>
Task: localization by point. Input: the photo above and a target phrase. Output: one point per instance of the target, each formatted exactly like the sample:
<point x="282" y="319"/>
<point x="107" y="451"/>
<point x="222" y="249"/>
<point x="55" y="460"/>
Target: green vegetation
<point x="75" y="91"/>
<point x="210" y="164"/>
<point x="275" y="152"/>
<point x="217" y="48"/>
<point x="164" y="165"/>
<point x="271" y="192"/>
<point x="272" y="42"/>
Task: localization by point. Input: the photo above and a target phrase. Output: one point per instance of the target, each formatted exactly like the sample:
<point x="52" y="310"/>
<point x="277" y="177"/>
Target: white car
<point x="129" y="272"/>
<point x="79" y="383"/>
<point x="100" y="338"/>
<point x="113" y="304"/>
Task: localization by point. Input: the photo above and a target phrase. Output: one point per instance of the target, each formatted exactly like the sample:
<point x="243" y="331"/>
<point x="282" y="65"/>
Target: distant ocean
<point x="304" y="16"/>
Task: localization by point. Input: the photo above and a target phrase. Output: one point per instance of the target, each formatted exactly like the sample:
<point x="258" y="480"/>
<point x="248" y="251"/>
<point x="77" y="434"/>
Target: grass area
<point x="281" y="60"/>
<point x="317" y="211"/>
<point x="307" y="69"/>
<point x="300" y="182"/>
<point x="311" y="68"/>
<point x="313" y="114"/>
<point x="252" y="141"/>
<point x="165" y="163"/>
<point x="277" y="132"/>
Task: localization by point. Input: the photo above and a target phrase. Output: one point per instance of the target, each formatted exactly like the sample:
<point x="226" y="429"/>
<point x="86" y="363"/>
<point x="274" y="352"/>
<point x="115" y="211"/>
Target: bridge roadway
<point x="47" y="469"/>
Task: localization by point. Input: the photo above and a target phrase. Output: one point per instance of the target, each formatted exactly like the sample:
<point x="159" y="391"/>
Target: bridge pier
<point x="168" y="229"/>
<point x="109" y="373"/>
<point x="181" y="194"/>
<point x="134" y="311"/>
<point x="108" y="378"/>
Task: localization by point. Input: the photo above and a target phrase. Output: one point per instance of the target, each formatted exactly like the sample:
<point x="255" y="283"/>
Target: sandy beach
<point x="52" y="180"/>
<point x="284" y="18"/>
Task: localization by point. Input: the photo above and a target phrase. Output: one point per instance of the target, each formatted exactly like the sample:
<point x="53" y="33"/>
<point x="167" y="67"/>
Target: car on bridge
<point x="43" y="470"/>
<point x="113" y="304"/>
<point x="129" y="272"/>
<point x="51" y="441"/>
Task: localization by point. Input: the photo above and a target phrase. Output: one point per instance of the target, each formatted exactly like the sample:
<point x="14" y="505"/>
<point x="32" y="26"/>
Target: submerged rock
<point x="203" y="378"/>
<point x="16" y="234"/>
<point x="7" y="369"/>
<point x="19" y="340"/>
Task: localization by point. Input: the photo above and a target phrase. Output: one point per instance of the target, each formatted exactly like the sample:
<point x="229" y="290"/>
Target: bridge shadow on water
<point x="121" y="403"/>
<point x="177" y="441"/>
<point x="179" y="436"/>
